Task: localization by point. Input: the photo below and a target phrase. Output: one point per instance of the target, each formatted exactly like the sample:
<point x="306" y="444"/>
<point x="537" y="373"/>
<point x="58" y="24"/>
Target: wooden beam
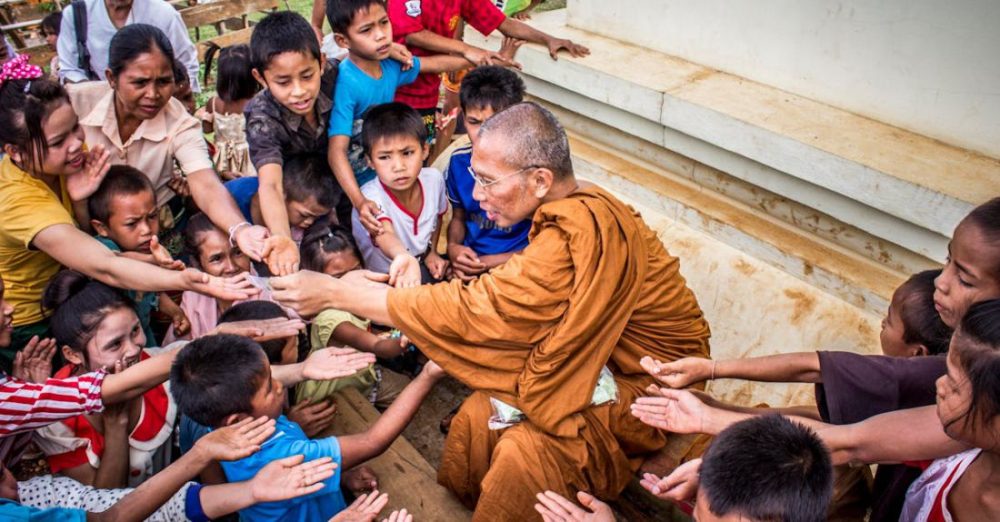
<point x="207" y="14"/>
<point x="402" y="472"/>
<point x="225" y="40"/>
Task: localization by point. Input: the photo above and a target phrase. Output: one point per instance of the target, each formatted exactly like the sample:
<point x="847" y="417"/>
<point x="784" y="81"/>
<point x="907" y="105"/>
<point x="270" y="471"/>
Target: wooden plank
<point x="207" y="14"/>
<point x="21" y="25"/>
<point x="225" y="40"/>
<point x="402" y="472"/>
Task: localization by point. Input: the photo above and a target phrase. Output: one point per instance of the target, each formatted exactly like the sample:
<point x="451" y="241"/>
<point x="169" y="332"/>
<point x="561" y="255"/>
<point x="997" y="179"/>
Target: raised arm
<point x="75" y="249"/>
<point x="440" y="44"/>
<point x="522" y="31"/>
<point x="309" y="293"/>
<point x="359" y="447"/>
<point x="211" y="196"/>
<point x="790" y="367"/>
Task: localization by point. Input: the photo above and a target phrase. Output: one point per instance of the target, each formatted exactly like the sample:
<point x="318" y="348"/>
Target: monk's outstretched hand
<point x="308" y="293"/>
<point x="556" y="508"/>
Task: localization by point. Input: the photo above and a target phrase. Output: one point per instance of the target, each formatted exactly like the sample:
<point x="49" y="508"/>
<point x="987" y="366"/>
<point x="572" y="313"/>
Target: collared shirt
<point x="171" y="135"/>
<point x="100" y="30"/>
<point x="288" y="439"/>
<point x="440" y="17"/>
<point x="274" y="132"/>
<point x="27" y="206"/>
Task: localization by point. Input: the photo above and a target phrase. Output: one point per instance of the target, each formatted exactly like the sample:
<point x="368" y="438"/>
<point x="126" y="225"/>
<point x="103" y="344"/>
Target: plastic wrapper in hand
<point x="505" y="415"/>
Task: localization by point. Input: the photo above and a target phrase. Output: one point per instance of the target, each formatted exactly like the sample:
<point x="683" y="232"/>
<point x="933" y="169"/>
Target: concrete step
<point x="899" y="188"/>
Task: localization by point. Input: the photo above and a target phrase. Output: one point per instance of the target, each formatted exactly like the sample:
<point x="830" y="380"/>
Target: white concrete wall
<point x="929" y="66"/>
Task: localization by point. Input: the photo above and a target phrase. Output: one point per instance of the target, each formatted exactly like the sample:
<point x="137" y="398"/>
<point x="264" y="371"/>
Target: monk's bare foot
<point x="359" y="480"/>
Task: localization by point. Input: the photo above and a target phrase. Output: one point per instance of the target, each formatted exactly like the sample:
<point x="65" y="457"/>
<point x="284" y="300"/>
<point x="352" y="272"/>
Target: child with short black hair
<point x="220" y="380"/>
<point x="761" y="469"/>
<point x="475" y="243"/>
<point x="223" y="115"/>
<point x="410" y="198"/>
<point x="330" y="249"/>
<point x="309" y="189"/>
<point x="50" y="26"/>
<point x="289" y="117"/>
<point x="124" y="215"/>
<point x="368" y="77"/>
<point x="182" y="88"/>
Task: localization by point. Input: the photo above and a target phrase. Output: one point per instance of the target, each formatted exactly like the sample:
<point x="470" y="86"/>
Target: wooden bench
<point x="220" y="15"/>
<point x="403" y="473"/>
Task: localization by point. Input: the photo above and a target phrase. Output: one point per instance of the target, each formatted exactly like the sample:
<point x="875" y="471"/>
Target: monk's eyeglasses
<point x="487" y="184"/>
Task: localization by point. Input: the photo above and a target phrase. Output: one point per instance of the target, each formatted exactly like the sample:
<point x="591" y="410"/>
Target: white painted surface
<point x="924" y="65"/>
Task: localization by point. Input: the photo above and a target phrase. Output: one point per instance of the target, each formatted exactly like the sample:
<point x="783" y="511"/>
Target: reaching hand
<point x="576" y="50"/>
<point x="180" y="322"/>
<point x="251" y="240"/>
<point x="34" y="362"/>
<point x="364" y="508"/>
<point x="556" y="508"/>
<point x="465" y="261"/>
<point x="359" y="479"/>
<point x="484" y="57"/>
<point x="365" y="278"/>
<point x="677" y="411"/>
<point x="313" y="418"/>
<point x="680" y="373"/>
<point x="436" y="265"/>
<point x="262" y="330"/>
<point x="179" y="184"/>
<point x="368" y="212"/>
<point x="306" y="292"/>
<point x="508" y="49"/>
<point x="433" y="370"/>
<point x="334" y="363"/>
<point x="290" y="478"/>
<point x="281" y="254"/>
<point x="83" y="184"/>
<point x="236" y="441"/>
<point x="401" y="54"/>
<point x="400" y="515"/>
<point x="404" y="272"/>
<point x="234" y="288"/>
<point x="680" y="486"/>
<point x="162" y="257"/>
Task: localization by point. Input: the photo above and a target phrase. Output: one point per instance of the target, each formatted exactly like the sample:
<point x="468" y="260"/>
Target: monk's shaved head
<point x="533" y="138"/>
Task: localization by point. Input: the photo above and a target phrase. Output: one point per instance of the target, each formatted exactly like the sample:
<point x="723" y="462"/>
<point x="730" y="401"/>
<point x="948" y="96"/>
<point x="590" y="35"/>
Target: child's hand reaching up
<point x="680" y="373"/>
<point x="404" y="272"/>
<point x="34" y="362"/>
<point x="281" y="255"/>
<point x="556" y="508"/>
<point x="677" y="411"/>
<point x="334" y="363"/>
<point x="289" y="477"/>
<point x="436" y="264"/>
<point x="509" y="48"/>
<point x="261" y="330"/>
<point x="162" y="257"/>
<point x="364" y="509"/>
<point x="236" y="441"/>
<point x="313" y="418"/>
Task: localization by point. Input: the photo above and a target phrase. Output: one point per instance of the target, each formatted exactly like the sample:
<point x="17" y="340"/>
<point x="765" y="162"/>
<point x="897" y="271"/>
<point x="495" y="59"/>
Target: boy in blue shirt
<point x="475" y="243"/>
<point x="219" y="380"/>
<point x="367" y="77"/>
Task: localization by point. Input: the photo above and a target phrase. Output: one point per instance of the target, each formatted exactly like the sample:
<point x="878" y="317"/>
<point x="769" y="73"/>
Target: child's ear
<point x="341" y="41"/>
<point x="13" y="151"/>
<point x="72" y="356"/>
<point x="919" y="350"/>
<point x="99" y="228"/>
<point x="233" y="418"/>
<point x="259" y="77"/>
<point x="426" y="148"/>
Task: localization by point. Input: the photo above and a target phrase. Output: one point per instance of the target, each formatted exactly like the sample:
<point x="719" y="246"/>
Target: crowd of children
<point x="141" y="346"/>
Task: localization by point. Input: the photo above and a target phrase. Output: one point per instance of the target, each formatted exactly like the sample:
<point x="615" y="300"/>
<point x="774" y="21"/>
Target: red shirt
<point x="26" y="406"/>
<point x="440" y="17"/>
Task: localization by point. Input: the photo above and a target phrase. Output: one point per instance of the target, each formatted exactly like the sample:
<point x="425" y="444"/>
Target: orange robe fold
<point x="594" y="287"/>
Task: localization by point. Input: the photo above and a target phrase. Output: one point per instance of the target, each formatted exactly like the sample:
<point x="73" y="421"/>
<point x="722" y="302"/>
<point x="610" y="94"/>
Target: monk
<point x="594" y="288"/>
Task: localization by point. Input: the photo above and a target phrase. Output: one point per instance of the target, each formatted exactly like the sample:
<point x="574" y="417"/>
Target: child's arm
<point x="522" y="31"/>
<point x="404" y="271"/>
<point x="464" y="261"/>
<point x="434" y="42"/>
<point x="443" y="63"/>
<point x="331" y="363"/>
<point x="230" y="443"/>
<point x="281" y="252"/>
<point x="348" y="334"/>
<point x="359" y="447"/>
<point x="279" y="480"/>
<point x="179" y="320"/>
<point x="787" y="367"/>
<point x="368" y="210"/>
<point x="113" y="471"/>
<point x="436" y="264"/>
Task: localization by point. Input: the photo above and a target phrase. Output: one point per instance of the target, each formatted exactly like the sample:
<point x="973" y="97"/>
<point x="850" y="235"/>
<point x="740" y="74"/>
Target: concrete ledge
<point x="888" y="182"/>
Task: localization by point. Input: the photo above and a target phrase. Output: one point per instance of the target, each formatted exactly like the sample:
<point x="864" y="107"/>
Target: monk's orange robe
<point x="594" y="287"/>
